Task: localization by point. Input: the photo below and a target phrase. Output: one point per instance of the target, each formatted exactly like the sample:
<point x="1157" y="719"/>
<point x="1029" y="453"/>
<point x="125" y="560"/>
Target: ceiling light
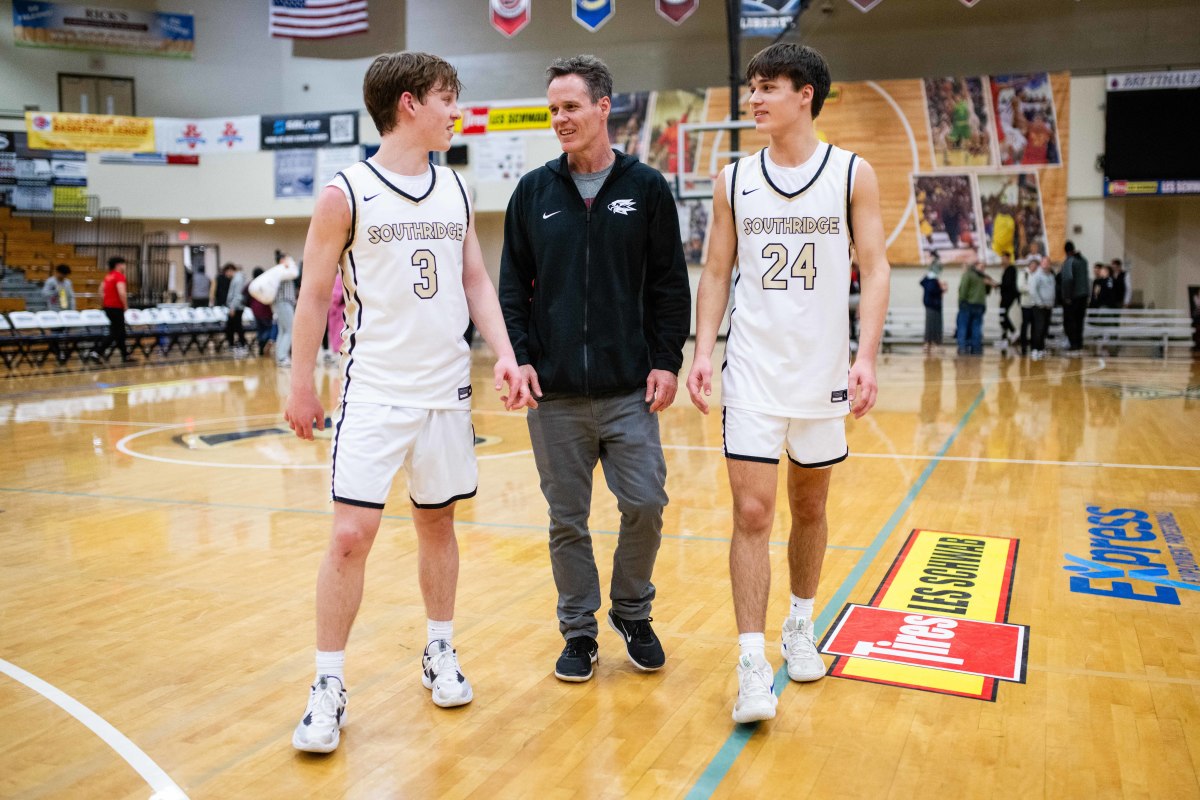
<point x="184" y="220"/>
<point x="269" y="220"/>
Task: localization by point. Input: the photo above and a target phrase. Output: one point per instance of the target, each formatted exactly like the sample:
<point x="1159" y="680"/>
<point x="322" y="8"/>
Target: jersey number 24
<point x="803" y="267"/>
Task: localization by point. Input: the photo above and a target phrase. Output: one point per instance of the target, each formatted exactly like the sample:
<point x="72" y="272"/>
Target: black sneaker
<point x="643" y="647"/>
<point x="575" y="663"/>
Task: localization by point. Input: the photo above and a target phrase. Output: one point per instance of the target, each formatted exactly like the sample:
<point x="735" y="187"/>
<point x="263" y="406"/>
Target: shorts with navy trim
<point x="810" y="443"/>
<point x="436" y="448"/>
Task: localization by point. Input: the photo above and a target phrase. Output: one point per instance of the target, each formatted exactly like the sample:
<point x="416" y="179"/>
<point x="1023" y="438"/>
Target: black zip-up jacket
<point x="595" y="299"/>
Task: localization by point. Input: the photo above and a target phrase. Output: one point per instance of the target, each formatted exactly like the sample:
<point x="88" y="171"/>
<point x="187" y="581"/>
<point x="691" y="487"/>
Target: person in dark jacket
<point x="1008" y="296"/>
<point x="595" y="293"/>
<point x="1076" y="286"/>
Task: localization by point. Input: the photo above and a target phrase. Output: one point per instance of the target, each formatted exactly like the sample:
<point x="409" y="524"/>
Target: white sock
<point x="802" y="608"/>
<point x="435" y="629"/>
<point x="753" y="644"/>
<point x="331" y="663"/>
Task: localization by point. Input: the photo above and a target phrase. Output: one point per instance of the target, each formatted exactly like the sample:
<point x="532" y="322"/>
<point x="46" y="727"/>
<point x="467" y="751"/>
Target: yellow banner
<point x="89" y="132"/>
<point x="518" y="118"/>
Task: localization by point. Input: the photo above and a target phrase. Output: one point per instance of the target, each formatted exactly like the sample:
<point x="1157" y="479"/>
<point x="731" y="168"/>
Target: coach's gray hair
<point x="595" y="74"/>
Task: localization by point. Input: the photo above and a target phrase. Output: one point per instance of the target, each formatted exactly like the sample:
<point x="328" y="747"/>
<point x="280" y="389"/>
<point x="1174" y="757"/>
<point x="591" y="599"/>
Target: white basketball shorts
<point x="436" y="447"/>
<point x="812" y="443"/>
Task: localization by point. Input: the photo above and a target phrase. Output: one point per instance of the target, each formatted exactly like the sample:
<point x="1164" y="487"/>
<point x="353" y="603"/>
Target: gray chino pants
<point x="569" y="435"/>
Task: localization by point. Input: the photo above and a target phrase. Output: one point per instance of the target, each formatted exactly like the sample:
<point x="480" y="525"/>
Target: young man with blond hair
<point x="402" y="234"/>
<point x="788" y="216"/>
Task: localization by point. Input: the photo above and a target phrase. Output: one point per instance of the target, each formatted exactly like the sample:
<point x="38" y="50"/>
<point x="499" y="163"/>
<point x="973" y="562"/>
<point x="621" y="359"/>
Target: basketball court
<point x="165" y="530"/>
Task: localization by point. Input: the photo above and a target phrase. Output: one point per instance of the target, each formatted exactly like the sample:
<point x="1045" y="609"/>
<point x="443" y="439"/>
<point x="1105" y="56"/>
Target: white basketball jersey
<point x="406" y="311"/>
<point x="789" y="335"/>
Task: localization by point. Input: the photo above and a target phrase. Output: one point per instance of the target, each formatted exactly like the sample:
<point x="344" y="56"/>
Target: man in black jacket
<point x="595" y="294"/>
<point x="1076" y="284"/>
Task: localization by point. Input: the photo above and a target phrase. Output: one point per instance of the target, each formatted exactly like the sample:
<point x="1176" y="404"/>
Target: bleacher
<point x="33" y="342"/>
<point x="1106" y="331"/>
<point x="34" y="253"/>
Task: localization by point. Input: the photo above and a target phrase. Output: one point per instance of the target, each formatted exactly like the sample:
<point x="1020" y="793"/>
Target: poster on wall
<point x="115" y="30"/>
<point x="294" y="173"/>
<point x="960" y="129"/>
<point x="332" y="160"/>
<point x="8" y="158"/>
<point x="309" y="130"/>
<point x="668" y="110"/>
<point x="946" y="223"/>
<point x="627" y="122"/>
<point x="499" y="158"/>
<point x="1013" y="221"/>
<point x="45" y="180"/>
<point x="694" y="216"/>
<point x="1026" y="125"/>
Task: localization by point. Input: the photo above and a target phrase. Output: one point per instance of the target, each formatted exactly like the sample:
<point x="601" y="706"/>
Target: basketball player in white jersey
<point x="788" y="216"/>
<point x="402" y="235"/>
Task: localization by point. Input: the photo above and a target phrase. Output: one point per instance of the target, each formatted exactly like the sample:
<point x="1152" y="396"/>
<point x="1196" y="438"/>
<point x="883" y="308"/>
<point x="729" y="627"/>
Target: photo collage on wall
<point x="986" y="135"/>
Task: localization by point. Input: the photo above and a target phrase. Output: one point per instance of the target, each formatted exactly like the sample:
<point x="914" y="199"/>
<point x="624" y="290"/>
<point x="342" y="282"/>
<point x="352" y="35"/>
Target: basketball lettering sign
<point x="939" y="620"/>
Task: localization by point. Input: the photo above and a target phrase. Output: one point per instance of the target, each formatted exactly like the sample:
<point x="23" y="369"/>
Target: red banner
<point x="510" y="16"/>
<point x="676" y="10"/>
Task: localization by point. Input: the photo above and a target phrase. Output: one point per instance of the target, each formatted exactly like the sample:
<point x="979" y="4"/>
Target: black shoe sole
<point x="640" y="667"/>
<point x="577" y="678"/>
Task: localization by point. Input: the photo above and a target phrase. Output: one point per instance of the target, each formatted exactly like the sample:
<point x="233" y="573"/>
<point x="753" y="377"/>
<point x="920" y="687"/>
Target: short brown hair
<point x="392" y="74"/>
<point x="800" y="63"/>
<point x="594" y="72"/>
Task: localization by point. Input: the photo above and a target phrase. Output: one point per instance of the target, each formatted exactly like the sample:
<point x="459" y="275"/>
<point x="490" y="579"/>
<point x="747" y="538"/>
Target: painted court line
<point x="722" y="762"/>
<point x="322" y="512"/>
<point x="164" y="788"/>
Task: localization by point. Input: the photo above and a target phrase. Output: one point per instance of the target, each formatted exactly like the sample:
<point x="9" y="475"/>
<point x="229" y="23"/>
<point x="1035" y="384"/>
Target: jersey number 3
<point x="427" y="287"/>
<point x="803" y="267"/>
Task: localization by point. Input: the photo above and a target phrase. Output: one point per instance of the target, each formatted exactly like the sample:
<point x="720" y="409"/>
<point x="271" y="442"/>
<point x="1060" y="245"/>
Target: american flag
<point x="317" y="19"/>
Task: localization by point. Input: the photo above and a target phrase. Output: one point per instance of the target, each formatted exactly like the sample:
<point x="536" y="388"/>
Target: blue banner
<point x="768" y="18"/>
<point x="592" y="14"/>
<point x="118" y="30"/>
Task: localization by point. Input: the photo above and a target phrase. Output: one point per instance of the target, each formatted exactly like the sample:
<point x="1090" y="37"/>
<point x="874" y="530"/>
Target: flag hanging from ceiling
<point x="865" y="5"/>
<point x="676" y="10"/>
<point x="969" y="3"/>
<point x="317" y="19"/>
<point x="510" y="16"/>
<point x="592" y="14"/>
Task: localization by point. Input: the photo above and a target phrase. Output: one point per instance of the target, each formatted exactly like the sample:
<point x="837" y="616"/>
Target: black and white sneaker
<point x="319" y="731"/>
<point x="643" y="647"/>
<point x="442" y="676"/>
<point x="575" y="663"/>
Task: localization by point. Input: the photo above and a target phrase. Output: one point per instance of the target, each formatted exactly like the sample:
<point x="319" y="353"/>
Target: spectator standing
<point x="934" y="287"/>
<point x="1041" y="291"/>
<point x="235" y="301"/>
<point x="58" y="291"/>
<point x="115" y="300"/>
<point x="1025" y="298"/>
<point x="1075" y="289"/>
<point x="264" y="320"/>
<point x="201" y="288"/>
<point x="972" y="302"/>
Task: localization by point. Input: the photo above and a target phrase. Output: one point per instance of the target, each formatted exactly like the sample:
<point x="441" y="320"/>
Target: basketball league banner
<point x="89" y="132"/>
<point x="938" y="622"/>
<point x="214" y="135"/>
<point x="676" y="11"/>
<point x="592" y="14"/>
<point x="510" y="16"/>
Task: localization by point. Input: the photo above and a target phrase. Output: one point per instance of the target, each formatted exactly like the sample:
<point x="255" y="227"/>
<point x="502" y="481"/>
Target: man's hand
<point x="660" y="389"/>
<point x="699" y="382"/>
<point x="863" y="389"/>
<point x="303" y="411"/>
<point x="507" y="371"/>
<point x="529" y="379"/>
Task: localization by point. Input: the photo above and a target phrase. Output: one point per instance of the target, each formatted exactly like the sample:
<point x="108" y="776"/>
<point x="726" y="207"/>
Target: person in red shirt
<point x="115" y="301"/>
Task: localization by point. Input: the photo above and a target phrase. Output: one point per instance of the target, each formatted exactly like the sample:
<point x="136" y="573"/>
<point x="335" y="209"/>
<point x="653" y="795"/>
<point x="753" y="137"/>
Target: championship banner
<point x="510" y="16"/>
<point x="865" y="5"/>
<point x="309" y="130"/>
<point x="768" y="18"/>
<point x="116" y="30"/>
<point x="676" y="11"/>
<point x="216" y="135"/>
<point x="592" y="14"/>
<point x="89" y="132"/>
<point x="518" y="118"/>
<point x="938" y="622"/>
<point x="969" y="3"/>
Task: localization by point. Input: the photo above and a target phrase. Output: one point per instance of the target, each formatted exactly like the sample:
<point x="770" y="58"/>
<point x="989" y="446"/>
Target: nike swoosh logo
<point x="372" y="197"/>
<point x="749" y="191"/>
<point x="551" y="214"/>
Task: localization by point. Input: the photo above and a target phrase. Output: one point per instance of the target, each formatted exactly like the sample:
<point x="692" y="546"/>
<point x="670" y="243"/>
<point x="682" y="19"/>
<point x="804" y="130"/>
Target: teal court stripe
<point x="722" y="762"/>
<point x="319" y="512"/>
